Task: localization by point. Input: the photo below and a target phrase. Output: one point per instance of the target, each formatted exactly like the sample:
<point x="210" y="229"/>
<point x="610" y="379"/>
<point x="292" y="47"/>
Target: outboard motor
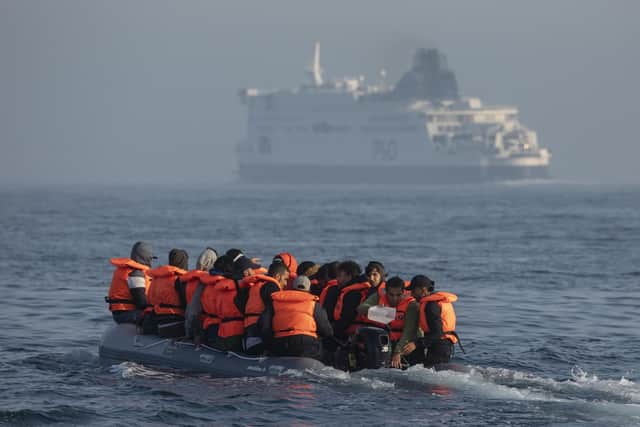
<point x="373" y="347"/>
<point x="370" y="348"/>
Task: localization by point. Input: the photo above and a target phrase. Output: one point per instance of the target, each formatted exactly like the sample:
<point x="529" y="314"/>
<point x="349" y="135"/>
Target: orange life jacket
<point x="162" y="292"/>
<point x="255" y="305"/>
<point x="330" y="284"/>
<point x="231" y="318"/>
<point x="120" y="298"/>
<point x="447" y="314"/>
<point x="396" y="326"/>
<point x="363" y="289"/>
<point x="293" y="314"/>
<point x="382" y="289"/>
<point x="208" y="300"/>
<point x="191" y="280"/>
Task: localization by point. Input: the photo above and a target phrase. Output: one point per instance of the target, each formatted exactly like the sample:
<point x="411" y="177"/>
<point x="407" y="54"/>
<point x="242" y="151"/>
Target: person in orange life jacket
<point x="309" y="269"/>
<point x="190" y="289"/>
<point x="293" y="324"/>
<point x="222" y="268"/>
<point x="127" y="294"/>
<point x="437" y="320"/>
<point x="404" y="328"/>
<point x="292" y="264"/>
<point x="329" y="284"/>
<point x="376" y="276"/>
<point x="354" y="288"/>
<point x="162" y="295"/>
<point x="260" y="292"/>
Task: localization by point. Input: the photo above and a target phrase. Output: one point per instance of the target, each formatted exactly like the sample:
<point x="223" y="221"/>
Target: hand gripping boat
<point x="122" y="343"/>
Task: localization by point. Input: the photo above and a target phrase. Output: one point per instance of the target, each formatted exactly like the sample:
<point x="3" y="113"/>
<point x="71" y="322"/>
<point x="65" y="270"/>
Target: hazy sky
<point x="111" y="91"/>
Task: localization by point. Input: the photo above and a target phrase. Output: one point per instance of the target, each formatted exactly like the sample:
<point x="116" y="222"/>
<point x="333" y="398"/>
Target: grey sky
<point x="117" y="90"/>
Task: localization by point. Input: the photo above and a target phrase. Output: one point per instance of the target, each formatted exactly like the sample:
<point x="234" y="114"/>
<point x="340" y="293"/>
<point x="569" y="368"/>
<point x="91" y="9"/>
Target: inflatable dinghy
<point x="121" y="343"/>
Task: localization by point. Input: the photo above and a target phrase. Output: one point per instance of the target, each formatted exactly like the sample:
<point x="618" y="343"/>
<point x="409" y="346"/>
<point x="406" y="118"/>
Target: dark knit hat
<point x="142" y="252"/>
<point x="179" y="258"/>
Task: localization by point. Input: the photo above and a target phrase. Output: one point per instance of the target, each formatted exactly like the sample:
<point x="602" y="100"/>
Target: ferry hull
<point x="395" y="175"/>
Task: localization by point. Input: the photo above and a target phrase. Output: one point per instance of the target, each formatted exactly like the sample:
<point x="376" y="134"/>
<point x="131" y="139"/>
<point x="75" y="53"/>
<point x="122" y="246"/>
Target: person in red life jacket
<point x="404" y="328"/>
<point x="127" y="294"/>
<point x="222" y="269"/>
<point x="437" y="321"/>
<point x="261" y="289"/>
<point x="376" y="276"/>
<point x="166" y="309"/>
<point x="354" y="288"/>
<point x="292" y="264"/>
<point x="190" y="289"/>
<point x="309" y="269"/>
<point x="327" y="281"/>
<point x="295" y="322"/>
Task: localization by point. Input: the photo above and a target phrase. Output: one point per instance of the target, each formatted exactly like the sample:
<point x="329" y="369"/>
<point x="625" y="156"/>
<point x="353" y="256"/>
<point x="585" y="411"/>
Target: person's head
<point x="421" y="286"/>
<point x="327" y="272"/>
<point x="307" y="268"/>
<point x="142" y="253"/>
<point x="301" y="283"/>
<point x="179" y="258"/>
<point x="280" y="272"/>
<point x="395" y="291"/>
<point x="243" y="267"/>
<point x="287" y="259"/>
<point x="346" y="271"/>
<point x="375" y="273"/>
<point x="223" y="264"/>
<point x="206" y="259"/>
<point x="234" y="254"/>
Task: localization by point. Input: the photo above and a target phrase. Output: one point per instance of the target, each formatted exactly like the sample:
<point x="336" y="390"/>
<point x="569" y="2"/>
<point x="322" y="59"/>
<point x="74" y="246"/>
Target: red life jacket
<point x="191" y="280"/>
<point x="255" y="305"/>
<point x="396" y="326"/>
<point x="447" y="314"/>
<point x="208" y="300"/>
<point x="363" y="289"/>
<point x="162" y="292"/>
<point x="330" y="284"/>
<point x="231" y="318"/>
<point x="293" y="314"/>
<point x="120" y="298"/>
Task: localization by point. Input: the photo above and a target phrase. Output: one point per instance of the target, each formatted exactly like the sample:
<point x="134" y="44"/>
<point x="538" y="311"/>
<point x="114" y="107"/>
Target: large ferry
<point x="419" y="130"/>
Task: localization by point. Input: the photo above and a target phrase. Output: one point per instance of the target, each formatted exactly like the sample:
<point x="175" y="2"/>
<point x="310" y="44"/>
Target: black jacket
<point x="349" y="312"/>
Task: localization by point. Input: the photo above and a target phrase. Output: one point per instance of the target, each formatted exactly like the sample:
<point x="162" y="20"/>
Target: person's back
<point x="354" y="289"/>
<point x="230" y="316"/>
<point x="129" y="284"/>
<point x="295" y="322"/>
<point x="167" y="311"/>
<point x="438" y="322"/>
<point x="261" y="289"/>
<point x="190" y="289"/>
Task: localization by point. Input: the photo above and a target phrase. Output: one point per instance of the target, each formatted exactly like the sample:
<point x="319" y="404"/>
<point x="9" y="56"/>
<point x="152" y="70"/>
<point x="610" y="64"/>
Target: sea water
<point x="547" y="276"/>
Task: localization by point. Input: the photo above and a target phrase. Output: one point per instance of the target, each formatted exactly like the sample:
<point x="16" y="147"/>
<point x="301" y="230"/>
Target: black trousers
<point x="440" y="351"/>
<point x="296" y="346"/>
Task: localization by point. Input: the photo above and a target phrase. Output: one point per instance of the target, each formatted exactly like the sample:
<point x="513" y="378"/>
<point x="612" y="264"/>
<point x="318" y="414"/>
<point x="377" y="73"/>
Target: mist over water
<point x="546" y="275"/>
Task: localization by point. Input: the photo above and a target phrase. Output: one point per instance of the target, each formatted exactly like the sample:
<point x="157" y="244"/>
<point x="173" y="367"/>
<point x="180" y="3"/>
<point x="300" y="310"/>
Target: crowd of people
<point x="230" y="302"/>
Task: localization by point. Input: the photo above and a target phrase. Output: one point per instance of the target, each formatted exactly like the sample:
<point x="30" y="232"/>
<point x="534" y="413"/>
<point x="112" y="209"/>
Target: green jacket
<point x="410" y="331"/>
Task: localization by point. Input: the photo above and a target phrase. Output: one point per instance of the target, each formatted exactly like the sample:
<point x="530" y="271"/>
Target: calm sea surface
<point x="548" y="278"/>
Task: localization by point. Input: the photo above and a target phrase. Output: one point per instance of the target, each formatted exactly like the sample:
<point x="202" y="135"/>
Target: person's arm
<point x="137" y="287"/>
<point x="266" y="291"/>
<point x="434" y="320"/>
<point x="323" y="327"/>
<point x="410" y="328"/>
<point x="368" y="303"/>
<point x="330" y="302"/>
<point x="348" y="314"/>
<point x="265" y="321"/>
<point x="193" y="312"/>
<point x="180" y="288"/>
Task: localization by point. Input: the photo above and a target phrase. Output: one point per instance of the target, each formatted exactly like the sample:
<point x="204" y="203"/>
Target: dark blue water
<point x="548" y="277"/>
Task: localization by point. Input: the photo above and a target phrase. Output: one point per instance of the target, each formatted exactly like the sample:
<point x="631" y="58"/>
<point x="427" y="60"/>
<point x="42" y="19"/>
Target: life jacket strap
<point x="459" y="340"/>
<point x="118" y="301"/>
<point x="232" y="319"/>
<point x="163" y="305"/>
